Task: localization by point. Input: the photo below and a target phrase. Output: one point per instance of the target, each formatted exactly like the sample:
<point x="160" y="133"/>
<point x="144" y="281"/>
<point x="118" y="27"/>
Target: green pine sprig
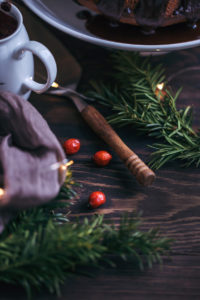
<point x="45" y="255"/>
<point x="134" y="99"/>
<point x="41" y="247"/>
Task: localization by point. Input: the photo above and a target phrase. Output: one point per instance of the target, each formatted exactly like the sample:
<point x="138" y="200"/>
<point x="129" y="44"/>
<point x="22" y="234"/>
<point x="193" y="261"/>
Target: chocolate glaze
<point x="150" y="13"/>
<point x="190" y="9"/>
<point x="111" y="8"/>
<point x="124" y="33"/>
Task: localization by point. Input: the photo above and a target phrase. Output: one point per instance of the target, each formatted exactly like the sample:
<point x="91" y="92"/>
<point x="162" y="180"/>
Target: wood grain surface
<point x="172" y="203"/>
<point x="95" y="120"/>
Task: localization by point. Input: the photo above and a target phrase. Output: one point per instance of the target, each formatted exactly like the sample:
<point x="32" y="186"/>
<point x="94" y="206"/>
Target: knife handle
<point x="100" y="126"/>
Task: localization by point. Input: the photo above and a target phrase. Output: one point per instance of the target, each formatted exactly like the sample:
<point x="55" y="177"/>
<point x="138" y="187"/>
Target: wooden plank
<point x="171" y="203"/>
<point x="178" y="279"/>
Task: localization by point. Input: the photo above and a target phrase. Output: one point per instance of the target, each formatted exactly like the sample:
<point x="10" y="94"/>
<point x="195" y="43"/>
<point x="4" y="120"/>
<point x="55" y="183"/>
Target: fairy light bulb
<point x="71" y="162"/>
<point x="2" y="192"/>
<point x="55" y="85"/>
<point x="160" y="91"/>
<point x="160" y="86"/>
<point x="62" y="165"/>
<point x="63" y="168"/>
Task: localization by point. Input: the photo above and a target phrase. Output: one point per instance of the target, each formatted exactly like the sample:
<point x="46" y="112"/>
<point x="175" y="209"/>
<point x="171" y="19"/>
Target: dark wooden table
<point x="171" y="203"/>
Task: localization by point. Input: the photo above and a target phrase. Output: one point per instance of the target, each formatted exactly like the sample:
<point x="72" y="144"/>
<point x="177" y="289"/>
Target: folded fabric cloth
<point x="28" y="149"/>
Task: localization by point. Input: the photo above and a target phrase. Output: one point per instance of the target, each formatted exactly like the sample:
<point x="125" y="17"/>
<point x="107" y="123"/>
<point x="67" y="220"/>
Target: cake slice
<point x="146" y="13"/>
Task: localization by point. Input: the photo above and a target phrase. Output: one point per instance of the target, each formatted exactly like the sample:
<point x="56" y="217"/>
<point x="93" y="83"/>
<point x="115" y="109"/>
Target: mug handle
<point x="47" y="59"/>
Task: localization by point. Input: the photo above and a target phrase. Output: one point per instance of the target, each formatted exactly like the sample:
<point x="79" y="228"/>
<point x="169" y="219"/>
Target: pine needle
<point x="133" y="101"/>
<point x="40" y="247"/>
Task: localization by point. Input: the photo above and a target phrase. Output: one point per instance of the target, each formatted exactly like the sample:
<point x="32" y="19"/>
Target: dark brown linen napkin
<point x="28" y="150"/>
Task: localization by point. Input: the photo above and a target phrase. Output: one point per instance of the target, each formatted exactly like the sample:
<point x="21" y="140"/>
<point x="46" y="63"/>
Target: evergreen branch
<point x="44" y="255"/>
<point x="41" y="247"/>
<point x="135" y="99"/>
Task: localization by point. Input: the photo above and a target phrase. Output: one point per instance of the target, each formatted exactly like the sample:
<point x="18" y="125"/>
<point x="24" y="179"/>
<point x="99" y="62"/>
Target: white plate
<point x="62" y="14"/>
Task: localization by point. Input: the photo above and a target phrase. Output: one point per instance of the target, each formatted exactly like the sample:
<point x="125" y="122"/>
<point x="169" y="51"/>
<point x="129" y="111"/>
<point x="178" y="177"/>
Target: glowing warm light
<point x="63" y="165"/>
<point x="55" y="85"/>
<point x="160" y="91"/>
<point x="160" y="86"/>
<point x="71" y="162"/>
<point x="2" y="192"/>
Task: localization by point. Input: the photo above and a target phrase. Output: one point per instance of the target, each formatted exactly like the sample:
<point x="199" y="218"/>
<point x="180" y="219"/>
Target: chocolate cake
<point x="147" y="13"/>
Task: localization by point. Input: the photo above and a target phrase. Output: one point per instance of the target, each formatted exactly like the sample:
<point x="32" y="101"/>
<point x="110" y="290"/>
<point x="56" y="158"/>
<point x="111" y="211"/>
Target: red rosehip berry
<point x="72" y="146"/>
<point x="97" y="199"/>
<point x="102" y="158"/>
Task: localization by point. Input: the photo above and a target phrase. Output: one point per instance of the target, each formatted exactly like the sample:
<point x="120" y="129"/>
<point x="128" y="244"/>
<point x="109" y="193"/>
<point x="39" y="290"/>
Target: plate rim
<point x="110" y="44"/>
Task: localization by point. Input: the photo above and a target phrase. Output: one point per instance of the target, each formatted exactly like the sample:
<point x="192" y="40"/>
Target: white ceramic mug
<point x="17" y="63"/>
